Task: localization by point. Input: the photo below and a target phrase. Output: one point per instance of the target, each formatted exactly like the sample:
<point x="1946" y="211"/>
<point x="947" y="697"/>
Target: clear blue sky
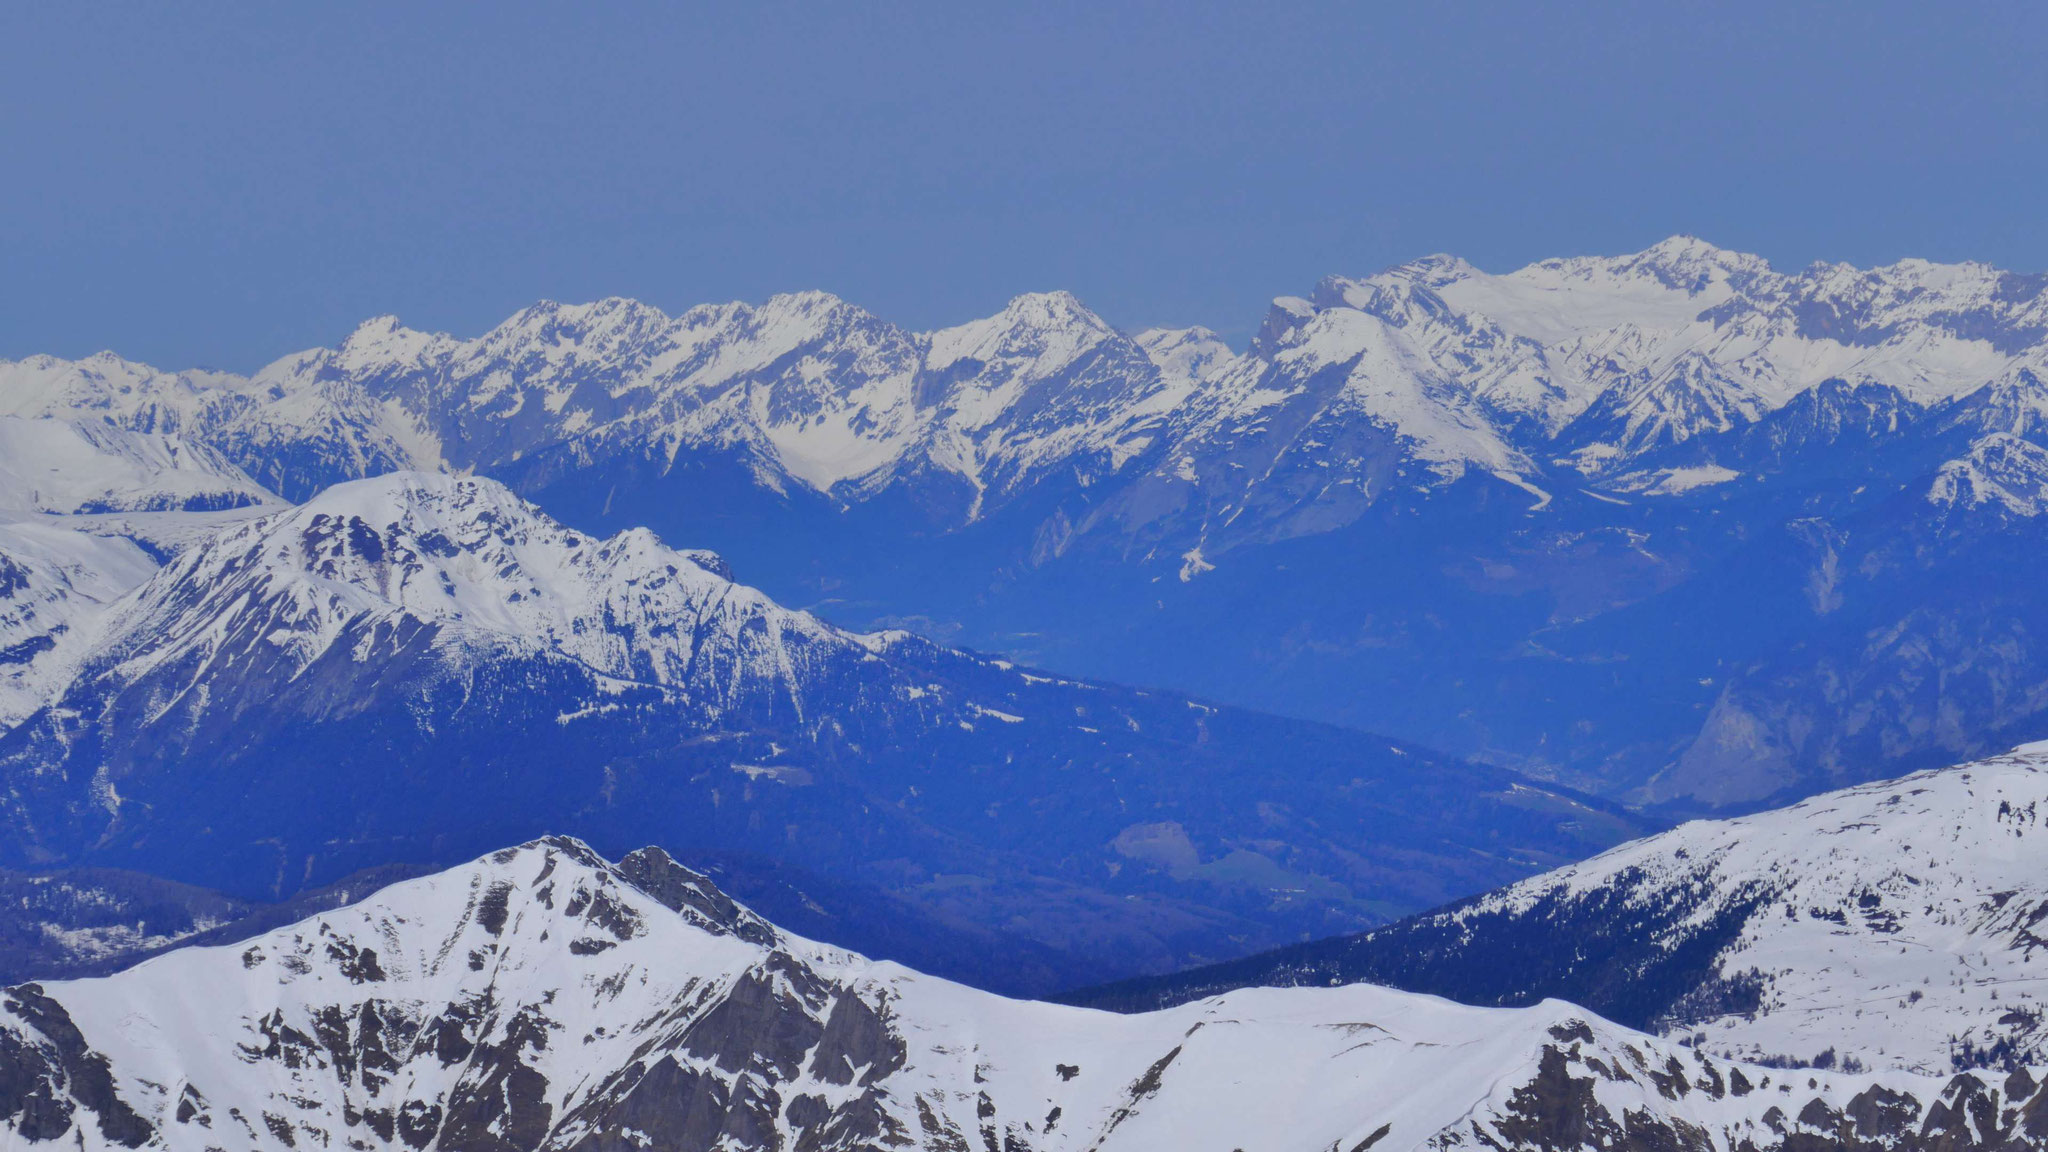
<point x="230" y="182"/>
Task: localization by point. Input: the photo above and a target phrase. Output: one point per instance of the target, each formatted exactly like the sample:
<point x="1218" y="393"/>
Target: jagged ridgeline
<point x="1675" y="527"/>
<point x="544" y="998"/>
<point x="415" y="667"/>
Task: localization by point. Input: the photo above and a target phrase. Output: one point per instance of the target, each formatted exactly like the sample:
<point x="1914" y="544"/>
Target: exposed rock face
<point x="1562" y="1107"/>
<point x="541" y="998"/>
<point x="48" y="1076"/>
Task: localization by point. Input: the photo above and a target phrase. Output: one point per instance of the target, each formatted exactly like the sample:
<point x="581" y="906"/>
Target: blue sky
<point x="226" y="183"/>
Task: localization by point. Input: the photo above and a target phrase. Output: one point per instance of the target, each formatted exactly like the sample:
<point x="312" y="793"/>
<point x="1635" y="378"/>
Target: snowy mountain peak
<point x="377" y="328"/>
<point x="372" y="562"/>
<point x="807" y="301"/>
<point x="1436" y="270"/>
<point x="1049" y="329"/>
<point x="608" y="327"/>
<point x="1682" y="254"/>
<point x="1683" y="264"/>
<point x="1184" y="353"/>
<point x="1058" y="308"/>
<point x="513" y="559"/>
<point x="812" y="312"/>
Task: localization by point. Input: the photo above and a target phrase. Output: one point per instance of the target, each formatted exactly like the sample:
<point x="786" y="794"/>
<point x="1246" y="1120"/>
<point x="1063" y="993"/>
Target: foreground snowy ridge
<point x="1893" y="925"/>
<point x="1898" y="922"/>
<point x="542" y="997"/>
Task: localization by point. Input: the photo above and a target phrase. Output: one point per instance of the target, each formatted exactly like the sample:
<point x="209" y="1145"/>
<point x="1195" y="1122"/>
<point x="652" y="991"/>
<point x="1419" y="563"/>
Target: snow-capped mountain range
<point x="1895" y="924"/>
<point x="808" y="389"/>
<point x="1589" y="363"/>
<point x="409" y="667"/>
<point x="1434" y="501"/>
<point x="542" y="998"/>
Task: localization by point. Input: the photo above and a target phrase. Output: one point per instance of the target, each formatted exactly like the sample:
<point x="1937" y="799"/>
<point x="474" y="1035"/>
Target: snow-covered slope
<point x="86" y="508"/>
<point x="2001" y="475"/>
<point x="1897" y="924"/>
<point x="62" y="467"/>
<point x="54" y="581"/>
<point x="543" y="998"/>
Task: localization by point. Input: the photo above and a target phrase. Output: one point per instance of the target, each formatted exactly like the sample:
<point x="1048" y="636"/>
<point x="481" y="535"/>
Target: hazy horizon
<point x="224" y="187"/>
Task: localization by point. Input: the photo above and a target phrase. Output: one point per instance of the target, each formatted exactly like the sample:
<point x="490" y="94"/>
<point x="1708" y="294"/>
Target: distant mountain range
<point x="1674" y="527"/>
<point x="1894" y="924"/>
<point x="544" y="998"/>
<point x="266" y="698"/>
